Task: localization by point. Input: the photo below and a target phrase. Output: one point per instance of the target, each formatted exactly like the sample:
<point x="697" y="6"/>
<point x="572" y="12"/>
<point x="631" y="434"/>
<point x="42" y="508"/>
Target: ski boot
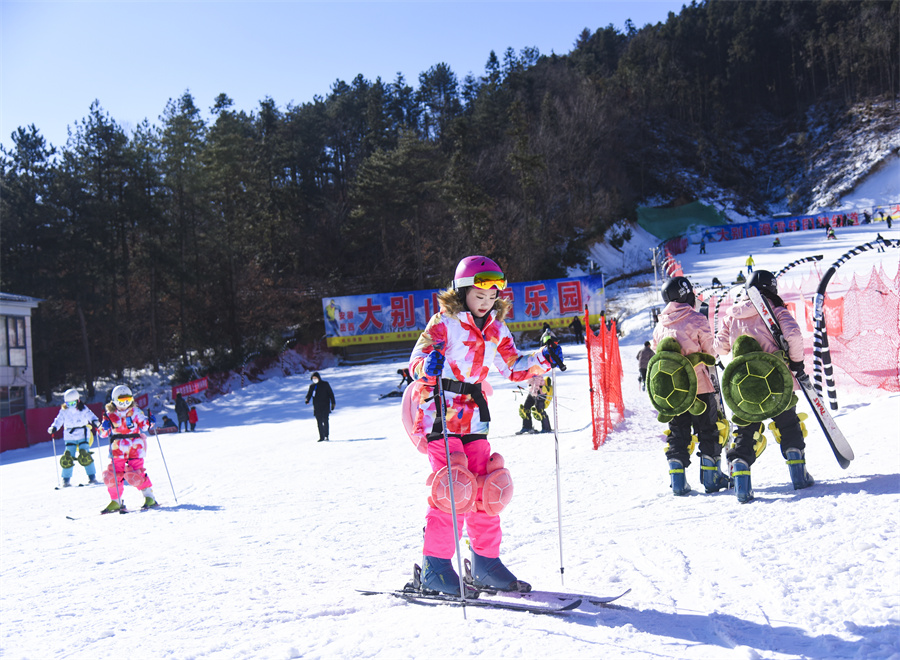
<point x="488" y="573"/>
<point x="740" y="472"/>
<point x="438" y="575"/>
<point x="680" y="486"/>
<point x="66" y="483"/>
<point x="114" y="507"/>
<point x="710" y="475"/>
<point x="150" y="503"/>
<point x="796" y="462"/>
<point x="92" y="479"/>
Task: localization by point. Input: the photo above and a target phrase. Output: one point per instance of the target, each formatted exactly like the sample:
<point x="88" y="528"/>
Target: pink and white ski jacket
<point x="691" y="330"/>
<point x="469" y="354"/>
<point x="743" y="319"/>
<point x="126" y="422"/>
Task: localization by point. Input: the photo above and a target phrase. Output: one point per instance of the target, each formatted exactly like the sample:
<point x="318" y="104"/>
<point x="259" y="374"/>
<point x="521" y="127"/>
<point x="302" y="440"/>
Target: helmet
<point x="71" y="397"/>
<point x="764" y="281"/>
<point x="479" y="271"/>
<point x="678" y="289"/>
<point x="122" y="397"/>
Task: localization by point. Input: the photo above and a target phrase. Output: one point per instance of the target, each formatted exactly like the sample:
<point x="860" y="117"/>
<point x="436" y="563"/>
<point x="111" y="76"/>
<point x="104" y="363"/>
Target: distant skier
<point x="537" y="402"/>
<point x="743" y="319"/>
<point x="643" y="357"/>
<point x="459" y="345"/>
<point x="692" y="332"/>
<point x="577" y="330"/>
<point x="323" y="403"/>
<point x="749" y="263"/>
<point x="182" y="411"/>
<point x="80" y="424"/>
<point x="126" y="427"/>
<point x="193" y="417"/>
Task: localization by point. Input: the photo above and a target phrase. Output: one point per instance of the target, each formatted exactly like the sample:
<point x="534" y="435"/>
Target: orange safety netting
<point x="605" y="377"/>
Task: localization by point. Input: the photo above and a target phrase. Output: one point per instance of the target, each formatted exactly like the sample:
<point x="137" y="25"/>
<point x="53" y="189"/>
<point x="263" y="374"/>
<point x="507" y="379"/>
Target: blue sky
<point x="57" y="57"/>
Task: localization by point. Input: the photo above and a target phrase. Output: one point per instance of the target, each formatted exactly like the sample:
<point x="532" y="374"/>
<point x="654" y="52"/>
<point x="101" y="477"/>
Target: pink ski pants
<point x="484" y="530"/>
<point x="132" y="469"/>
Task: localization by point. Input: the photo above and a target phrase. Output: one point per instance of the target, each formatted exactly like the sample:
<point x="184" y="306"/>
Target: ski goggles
<point x="70" y="404"/>
<point x="486" y="280"/>
<point x="124" y="402"/>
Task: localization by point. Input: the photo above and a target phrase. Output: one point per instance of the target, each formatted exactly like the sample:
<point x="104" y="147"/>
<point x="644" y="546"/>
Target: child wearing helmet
<point x="126" y="427"/>
<point x="691" y="330"/>
<point x="743" y="319"/>
<point x="80" y="423"/>
<point x="459" y="345"/>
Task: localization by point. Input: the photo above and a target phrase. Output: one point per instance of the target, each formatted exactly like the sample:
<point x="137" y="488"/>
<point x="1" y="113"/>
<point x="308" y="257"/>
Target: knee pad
<point x="109" y="476"/>
<point x="66" y="460"/>
<point x="84" y="457"/>
<point x="465" y="487"/>
<point x="496" y="487"/>
<point x="537" y="414"/>
<point x="134" y="477"/>
<point x="522" y="412"/>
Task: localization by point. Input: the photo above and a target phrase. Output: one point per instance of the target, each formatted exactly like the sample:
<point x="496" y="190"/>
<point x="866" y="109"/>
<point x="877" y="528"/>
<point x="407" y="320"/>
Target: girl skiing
<point x="459" y="345"/>
<point x="126" y="427"/>
<point x="80" y="424"/>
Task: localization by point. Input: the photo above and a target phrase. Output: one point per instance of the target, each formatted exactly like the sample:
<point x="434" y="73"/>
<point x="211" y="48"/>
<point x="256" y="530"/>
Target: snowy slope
<point x="272" y="532"/>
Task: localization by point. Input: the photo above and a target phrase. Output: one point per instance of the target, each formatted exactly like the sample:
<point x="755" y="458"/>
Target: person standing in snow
<point x="540" y="393"/>
<point x="323" y="403"/>
<point x="182" y="412"/>
<point x="743" y="319"/>
<point x="126" y="426"/>
<point x="643" y="357"/>
<point x="80" y="424"/>
<point x="193" y="418"/>
<point x="577" y="330"/>
<point x="459" y="345"/>
<point x="691" y="330"/>
<point x="749" y="263"/>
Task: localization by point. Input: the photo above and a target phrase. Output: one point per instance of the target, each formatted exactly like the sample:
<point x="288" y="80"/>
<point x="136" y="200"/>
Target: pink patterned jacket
<point x="691" y="330"/>
<point x="127" y="448"/>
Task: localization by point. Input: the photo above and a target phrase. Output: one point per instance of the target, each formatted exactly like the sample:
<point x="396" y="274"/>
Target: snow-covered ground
<point x="272" y="533"/>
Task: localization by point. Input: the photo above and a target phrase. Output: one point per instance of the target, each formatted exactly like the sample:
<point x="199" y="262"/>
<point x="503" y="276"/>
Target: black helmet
<point x="764" y="281"/>
<point x="678" y="289"/>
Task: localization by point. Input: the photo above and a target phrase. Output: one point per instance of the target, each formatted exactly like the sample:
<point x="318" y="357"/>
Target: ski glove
<point x="129" y="422"/>
<point x="553" y="354"/>
<point x="106" y="425"/>
<point x="434" y="363"/>
<point x="51" y="430"/>
<point x="797" y="368"/>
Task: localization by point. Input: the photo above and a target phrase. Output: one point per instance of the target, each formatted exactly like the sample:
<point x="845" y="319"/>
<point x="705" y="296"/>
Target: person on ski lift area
<point x="80" y="424"/>
<point x="743" y="319"/>
<point x="459" y="345"/>
<point x="537" y="402"/>
<point x="691" y="330"/>
<point x="126" y="427"/>
<point x="323" y="403"/>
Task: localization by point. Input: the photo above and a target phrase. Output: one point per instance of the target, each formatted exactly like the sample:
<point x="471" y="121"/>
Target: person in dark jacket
<point x="323" y="403"/>
<point x="182" y="411"/>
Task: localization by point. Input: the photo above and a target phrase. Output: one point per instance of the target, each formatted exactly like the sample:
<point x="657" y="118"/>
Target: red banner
<point x="190" y="388"/>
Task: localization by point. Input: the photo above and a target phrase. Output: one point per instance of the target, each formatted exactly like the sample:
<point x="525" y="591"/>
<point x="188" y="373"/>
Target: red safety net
<point x="605" y="374"/>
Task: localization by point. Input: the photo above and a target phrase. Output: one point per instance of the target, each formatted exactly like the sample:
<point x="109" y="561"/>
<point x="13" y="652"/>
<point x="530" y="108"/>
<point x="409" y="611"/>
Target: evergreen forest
<point x="204" y="241"/>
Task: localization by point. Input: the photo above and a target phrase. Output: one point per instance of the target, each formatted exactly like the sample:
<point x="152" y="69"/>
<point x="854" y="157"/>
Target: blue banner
<point x="388" y="317"/>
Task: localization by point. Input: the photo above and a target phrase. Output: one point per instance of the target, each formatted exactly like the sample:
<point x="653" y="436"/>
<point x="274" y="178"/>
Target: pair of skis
<point x="839" y="445"/>
<point x="533" y="602"/>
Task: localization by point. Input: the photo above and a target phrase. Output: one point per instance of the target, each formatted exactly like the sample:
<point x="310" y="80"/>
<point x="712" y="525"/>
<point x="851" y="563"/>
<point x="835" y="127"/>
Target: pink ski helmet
<point x="479" y="271"/>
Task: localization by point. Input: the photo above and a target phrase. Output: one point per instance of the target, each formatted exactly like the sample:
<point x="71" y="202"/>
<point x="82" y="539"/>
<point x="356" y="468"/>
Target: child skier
<point x="743" y="319"/>
<point x="692" y="332"/>
<point x="80" y="424"/>
<point x="540" y="393"/>
<point x="459" y="345"/>
<point x="126" y="427"/>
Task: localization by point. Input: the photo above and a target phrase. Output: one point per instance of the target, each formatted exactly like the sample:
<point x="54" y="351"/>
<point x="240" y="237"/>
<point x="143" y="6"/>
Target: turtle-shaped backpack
<point x="672" y="381"/>
<point x="756" y="385"/>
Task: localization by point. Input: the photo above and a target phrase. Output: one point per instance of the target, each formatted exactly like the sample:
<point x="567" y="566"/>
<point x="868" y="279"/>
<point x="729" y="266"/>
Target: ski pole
<point x="558" y="488"/>
<point x="443" y="407"/>
<point x="156" y="433"/>
<point x="55" y="461"/>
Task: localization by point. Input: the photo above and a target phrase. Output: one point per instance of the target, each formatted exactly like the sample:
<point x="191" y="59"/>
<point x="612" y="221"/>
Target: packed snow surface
<point x="272" y="532"/>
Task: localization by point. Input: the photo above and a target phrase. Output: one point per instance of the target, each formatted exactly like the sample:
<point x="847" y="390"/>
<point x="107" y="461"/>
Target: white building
<point x="16" y="357"/>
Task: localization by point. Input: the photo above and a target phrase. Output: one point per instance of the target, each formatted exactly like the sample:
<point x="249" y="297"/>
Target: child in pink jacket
<point x="691" y="330"/>
<point x="743" y="319"/>
<point x="126" y="427"/>
<point x="459" y="346"/>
